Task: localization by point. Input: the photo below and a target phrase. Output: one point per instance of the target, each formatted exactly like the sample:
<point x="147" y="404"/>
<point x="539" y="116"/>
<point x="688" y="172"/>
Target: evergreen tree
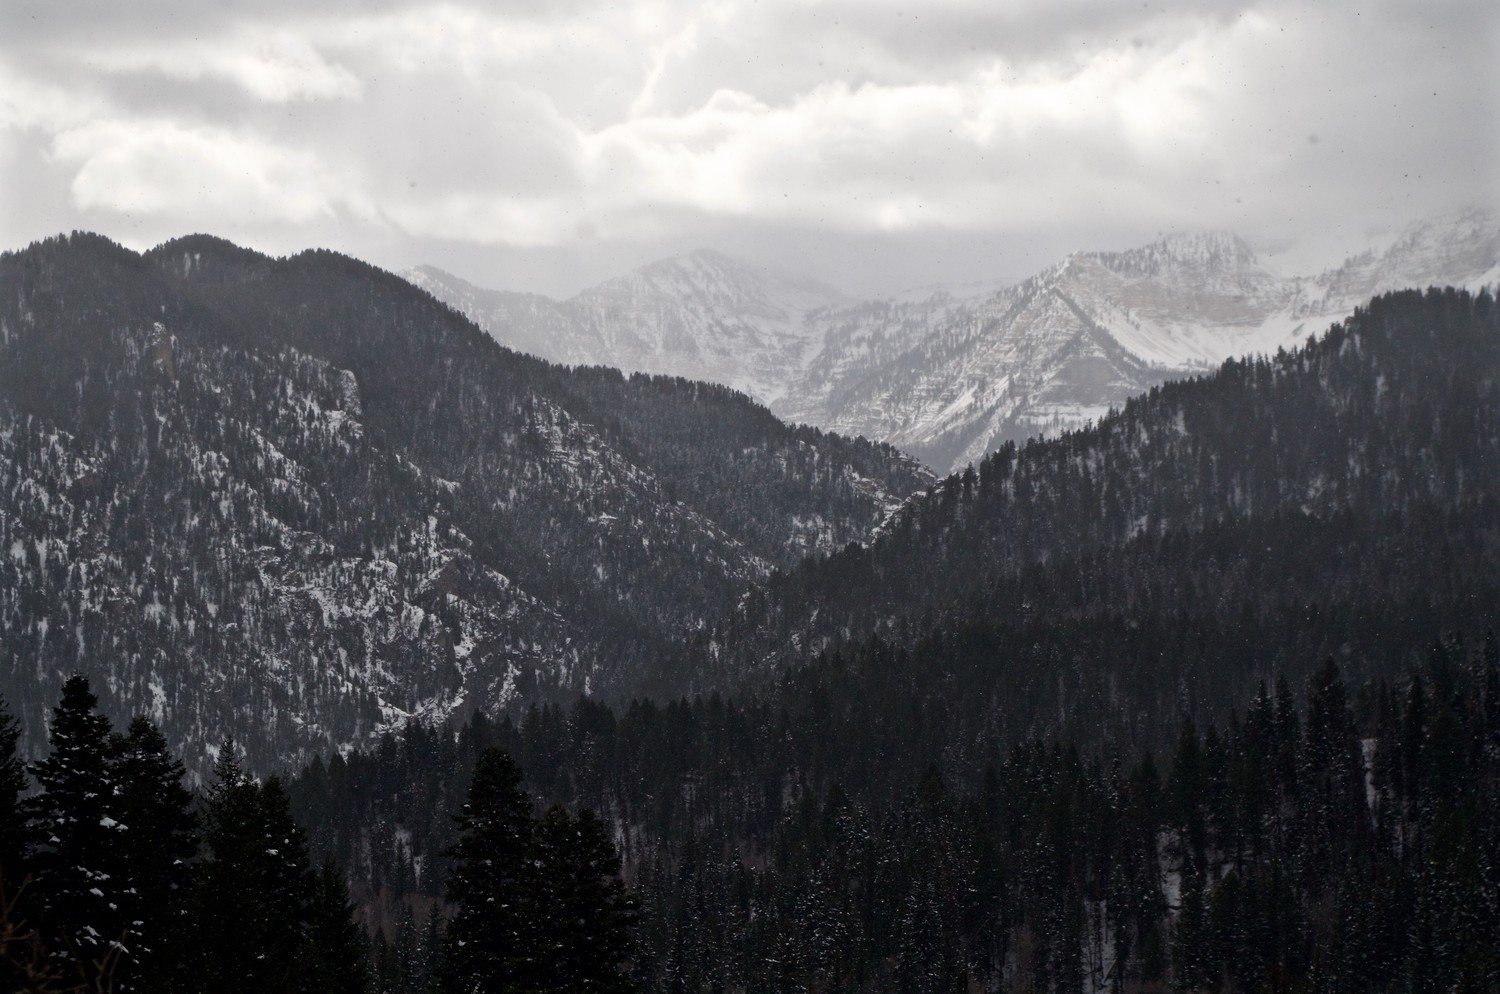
<point x="1336" y="814"/>
<point x="429" y="961"/>
<point x="1187" y="790"/>
<point x="157" y="848"/>
<point x="585" y="916"/>
<point x="492" y="941"/>
<point x="388" y="975"/>
<point x="15" y="862"/>
<point x="408" y="956"/>
<point x="253" y="889"/>
<point x="84" y="899"/>
<point x="335" y="951"/>
<point x="1490" y="668"/>
<point x="14" y="836"/>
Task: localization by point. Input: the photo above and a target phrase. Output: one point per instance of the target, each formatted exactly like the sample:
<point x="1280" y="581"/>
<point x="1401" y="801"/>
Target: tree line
<point x="115" y="877"/>
<point x="1327" y="836"/>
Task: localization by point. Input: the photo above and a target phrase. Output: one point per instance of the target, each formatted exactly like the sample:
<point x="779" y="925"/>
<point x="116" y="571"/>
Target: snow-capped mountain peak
<point x="950" y="375"/>
<point x="704" y="315"/>
<point x="721" y="287"/>
<point x="1206" y="252"/>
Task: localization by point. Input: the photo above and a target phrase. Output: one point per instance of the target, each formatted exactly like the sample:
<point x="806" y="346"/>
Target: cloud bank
<point x="593" y="131"/>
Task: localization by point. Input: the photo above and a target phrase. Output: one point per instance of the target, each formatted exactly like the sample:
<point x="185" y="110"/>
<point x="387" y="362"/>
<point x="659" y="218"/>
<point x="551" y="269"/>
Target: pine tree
<point x="14" y="836"/>
<point x="1335" y="812"/>
<point x="1187" y="790"/>
<point x="429" y="963"/>
<point x="254" y="888"/>
<point x="333" y="957"/>
<point x="491" y="942"/>
<point x="157" y="848"/>
<point x="389" y="977"/>
<point x="584" y="911"/>
<point x="408" y="958"/>
<point x="1413" y="752"/>
<point x="84" y="900"/>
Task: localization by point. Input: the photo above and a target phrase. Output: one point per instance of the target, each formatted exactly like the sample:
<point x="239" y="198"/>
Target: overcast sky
<point x="875" y="144"/>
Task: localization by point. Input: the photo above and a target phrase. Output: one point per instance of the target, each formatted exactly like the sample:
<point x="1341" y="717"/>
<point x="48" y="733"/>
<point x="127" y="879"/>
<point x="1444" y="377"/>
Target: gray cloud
<point x="875" y="143"/>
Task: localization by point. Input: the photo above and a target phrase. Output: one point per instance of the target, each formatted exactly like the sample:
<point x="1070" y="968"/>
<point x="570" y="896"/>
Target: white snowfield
<point x="951" y="373"/>
<point x="703" y="316"/>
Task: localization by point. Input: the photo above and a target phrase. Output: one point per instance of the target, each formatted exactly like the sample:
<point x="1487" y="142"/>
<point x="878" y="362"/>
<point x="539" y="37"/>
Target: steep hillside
<point x="298" y="501"/>
<point x="1463" y="250"/>
<point x="1339" y="499"/>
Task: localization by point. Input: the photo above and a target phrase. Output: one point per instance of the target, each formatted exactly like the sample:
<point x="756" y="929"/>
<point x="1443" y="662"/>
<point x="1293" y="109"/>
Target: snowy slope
<point x="702" y="316"/>
<point x="951" y="380"/>
<point x="1462" y="250"/>
<point x="1028" y="360"/>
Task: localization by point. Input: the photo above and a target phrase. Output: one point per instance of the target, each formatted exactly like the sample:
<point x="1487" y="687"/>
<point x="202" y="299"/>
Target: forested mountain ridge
<point x="1333" y="489"/>
<point x="298" y="500"/>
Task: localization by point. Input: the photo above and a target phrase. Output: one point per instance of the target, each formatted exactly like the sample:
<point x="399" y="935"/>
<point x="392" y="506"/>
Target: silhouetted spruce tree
<point x="492" y="941"/>
<point x="157" y="848"/>
<point x="585" y="914"/>
<point x="14" y="836"/>
<point x="334" y="954"/>
<point x="85" y="903"/>
<point x="253" y="889"/>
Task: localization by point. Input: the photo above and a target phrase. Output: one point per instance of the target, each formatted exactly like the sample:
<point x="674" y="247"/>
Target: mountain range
<point x="949" y="375"/>
<point x="1138" y="706"/>
<point x="703" y="316"/>
<point x="302" y="502"/>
